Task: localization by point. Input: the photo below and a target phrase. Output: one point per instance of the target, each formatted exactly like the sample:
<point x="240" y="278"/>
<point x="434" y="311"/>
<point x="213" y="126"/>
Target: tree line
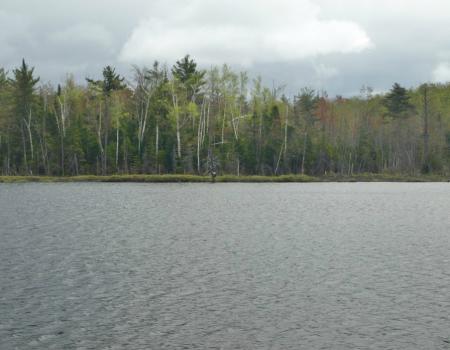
<point x="179" y="119"/>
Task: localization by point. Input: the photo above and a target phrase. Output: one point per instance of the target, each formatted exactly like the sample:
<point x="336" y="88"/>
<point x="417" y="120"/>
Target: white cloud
<point x="242" y="33"/>
<point x="277" y="36"/>
<point x="441" y="73"/>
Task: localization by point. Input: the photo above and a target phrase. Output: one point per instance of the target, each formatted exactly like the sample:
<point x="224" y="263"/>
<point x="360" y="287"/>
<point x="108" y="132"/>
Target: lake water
<point x="225" y="266"/>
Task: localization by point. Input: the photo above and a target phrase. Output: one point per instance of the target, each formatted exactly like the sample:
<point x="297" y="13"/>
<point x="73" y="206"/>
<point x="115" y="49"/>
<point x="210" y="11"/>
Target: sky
<point x="331" y="45"/>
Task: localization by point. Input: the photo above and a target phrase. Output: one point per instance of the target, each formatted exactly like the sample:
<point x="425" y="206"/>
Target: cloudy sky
<point x="337" y="45"/>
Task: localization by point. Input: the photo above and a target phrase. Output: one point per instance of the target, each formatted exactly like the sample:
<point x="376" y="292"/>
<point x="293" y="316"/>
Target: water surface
<point x="225" y="266"/>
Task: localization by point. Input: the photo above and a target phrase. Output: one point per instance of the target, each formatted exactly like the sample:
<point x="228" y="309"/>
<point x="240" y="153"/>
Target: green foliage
<point x="164" y="124"/>
<point x="185" y="71"/>
<point x="23" y="85"/>
<point x="3" y="78"/>
<point x="306" y="102"/>
<point x="111" y="81"/>
<point x="397" y="102"/>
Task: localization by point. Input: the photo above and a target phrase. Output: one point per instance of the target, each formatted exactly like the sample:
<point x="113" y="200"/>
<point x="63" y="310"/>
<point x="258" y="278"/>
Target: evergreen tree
<point x="397" y="102"/>
<point x="111" y="82"/>
<point x="169" y="124"/>
<point x="23" y="86"/>
<point x="185" y="70"/>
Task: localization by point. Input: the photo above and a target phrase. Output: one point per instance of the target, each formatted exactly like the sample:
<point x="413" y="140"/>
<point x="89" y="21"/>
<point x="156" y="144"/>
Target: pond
<point x="225" y="266"/>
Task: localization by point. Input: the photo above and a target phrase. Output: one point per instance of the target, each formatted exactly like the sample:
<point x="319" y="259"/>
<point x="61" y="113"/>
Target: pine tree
<point x="397" y="102"/>
<point x="23" y="86"/>
<point x="185" y="70"/>
<point x="111" y="82"/>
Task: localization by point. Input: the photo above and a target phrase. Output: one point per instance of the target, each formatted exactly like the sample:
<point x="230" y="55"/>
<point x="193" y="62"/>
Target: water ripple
<point x="229" y="266"/>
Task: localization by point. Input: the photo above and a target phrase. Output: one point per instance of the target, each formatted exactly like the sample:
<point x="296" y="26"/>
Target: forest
<point x="181" y="119"/>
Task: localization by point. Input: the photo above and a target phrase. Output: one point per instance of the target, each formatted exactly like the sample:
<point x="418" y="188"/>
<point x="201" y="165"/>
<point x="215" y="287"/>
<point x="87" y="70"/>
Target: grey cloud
<point x="81" y="36"/>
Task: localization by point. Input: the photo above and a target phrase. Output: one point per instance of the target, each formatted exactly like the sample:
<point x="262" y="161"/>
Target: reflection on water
<point x="225" y="266"/>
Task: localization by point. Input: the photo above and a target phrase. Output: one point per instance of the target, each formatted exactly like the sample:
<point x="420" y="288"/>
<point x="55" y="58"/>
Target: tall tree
<point x="397" y="102"/>
<point x="185" y="70"/>
<point x="5" y="123"/>
<point x="306" y="103"/>
<point x="185" y="88"/>
<point x="111" y="82"/>
<point x="176" y="122"/>
<point x="23" y="87"/>
<point x="426" y="133"/>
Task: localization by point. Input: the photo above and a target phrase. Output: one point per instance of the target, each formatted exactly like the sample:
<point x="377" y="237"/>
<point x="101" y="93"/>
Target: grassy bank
<point x="229" y="178"/>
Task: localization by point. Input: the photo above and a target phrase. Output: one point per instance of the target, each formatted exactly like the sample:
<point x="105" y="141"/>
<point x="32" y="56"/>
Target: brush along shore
<point x="229" y="178"/>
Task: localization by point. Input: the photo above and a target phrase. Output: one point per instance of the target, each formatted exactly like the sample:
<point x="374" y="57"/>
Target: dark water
<point x="225" y="266"/>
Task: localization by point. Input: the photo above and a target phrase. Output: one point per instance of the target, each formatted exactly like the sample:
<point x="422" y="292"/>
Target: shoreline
<point x="227" y="178"/>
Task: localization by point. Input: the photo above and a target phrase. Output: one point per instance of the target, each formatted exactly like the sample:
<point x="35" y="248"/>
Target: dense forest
<point x="181" y="119"/>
